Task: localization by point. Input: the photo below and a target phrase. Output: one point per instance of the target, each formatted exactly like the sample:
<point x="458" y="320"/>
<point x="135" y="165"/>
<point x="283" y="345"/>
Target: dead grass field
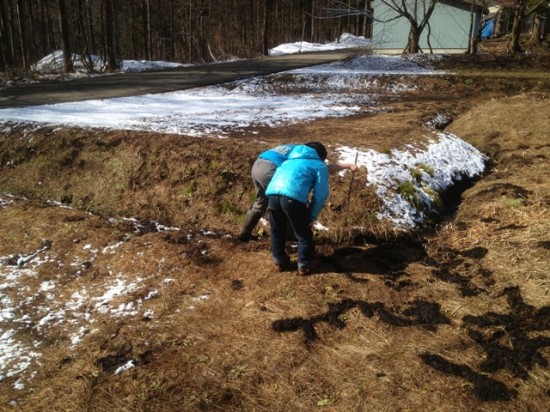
<point x="454" y="318"/>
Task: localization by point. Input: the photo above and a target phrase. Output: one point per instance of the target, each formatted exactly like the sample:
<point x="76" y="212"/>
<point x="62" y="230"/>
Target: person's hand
<point x="338" y="167"/>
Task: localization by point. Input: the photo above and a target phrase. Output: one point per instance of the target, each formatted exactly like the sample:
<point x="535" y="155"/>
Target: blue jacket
<point x="303" y="173"/>
<point x="277" y="154"/>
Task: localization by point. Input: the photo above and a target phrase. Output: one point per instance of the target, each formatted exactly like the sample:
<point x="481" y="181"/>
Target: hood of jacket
<point x="304" y="152"/>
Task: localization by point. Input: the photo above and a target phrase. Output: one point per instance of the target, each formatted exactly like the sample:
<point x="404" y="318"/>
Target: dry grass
<point x="452" y="320"/>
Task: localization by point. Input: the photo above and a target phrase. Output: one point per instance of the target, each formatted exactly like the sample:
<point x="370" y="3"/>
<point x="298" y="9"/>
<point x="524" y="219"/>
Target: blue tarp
<point x="488" y="28"/>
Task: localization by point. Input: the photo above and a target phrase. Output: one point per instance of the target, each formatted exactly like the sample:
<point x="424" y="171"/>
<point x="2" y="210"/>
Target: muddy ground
<point x="455" y="317"/>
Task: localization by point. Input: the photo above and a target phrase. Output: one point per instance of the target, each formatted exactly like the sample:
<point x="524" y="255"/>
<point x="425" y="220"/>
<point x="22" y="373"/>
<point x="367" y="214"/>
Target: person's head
<point x="319" y="148"/>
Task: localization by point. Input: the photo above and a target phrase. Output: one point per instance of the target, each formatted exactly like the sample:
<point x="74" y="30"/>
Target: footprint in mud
<point x="512" y="342"/>
<point x="380" y="259"/>
<point x="506" y="338"/>
<point x="499" y="190"/>
<point x="420" y="313"/>
<point x="461" y="268"/>
<point x="485" y="388"/>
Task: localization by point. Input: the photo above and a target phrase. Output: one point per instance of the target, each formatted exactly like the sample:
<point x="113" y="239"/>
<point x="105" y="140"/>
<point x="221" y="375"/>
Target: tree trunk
<point x="268" y="9"/>
<point x="110" y="46"/>
<point x="158" y="47"/>
<point x="413" y="44"/>
<point x="513" y="45"/>
<point x="473" y="39"/>
<point x="19" y="8"/>
<point x="5" y="51"/>
<point x="133" y="39"/>
<point x="44" y="28"/>
<point x="86" y="44"/>
<point x="416" y="27"/>
<point x="66" y="38"/>
<point x="146" y="29"/>
<point x="204" y="30"/>
<point x="535" y="37"/>
<point x="171" y="29"/>
<point x="91" y="28"/>
<point x="366" y="20"/>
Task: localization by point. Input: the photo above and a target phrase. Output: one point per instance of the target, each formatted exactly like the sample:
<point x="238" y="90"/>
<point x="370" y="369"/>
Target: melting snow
<point x="445" y="160"/>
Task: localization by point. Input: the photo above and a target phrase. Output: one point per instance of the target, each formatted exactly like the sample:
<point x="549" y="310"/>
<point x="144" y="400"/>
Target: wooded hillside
<point x="174" y="30"/>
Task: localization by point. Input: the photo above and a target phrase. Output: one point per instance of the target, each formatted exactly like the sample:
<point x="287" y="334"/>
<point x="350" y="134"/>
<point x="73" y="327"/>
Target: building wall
<point x="448" y="29"/>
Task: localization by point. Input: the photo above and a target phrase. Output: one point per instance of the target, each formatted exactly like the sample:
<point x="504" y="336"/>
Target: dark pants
<point x="282" y="211"/>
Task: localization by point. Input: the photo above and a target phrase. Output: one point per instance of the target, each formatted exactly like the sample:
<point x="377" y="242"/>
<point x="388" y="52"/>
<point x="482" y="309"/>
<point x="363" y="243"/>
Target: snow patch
<point x="444" y="161"/>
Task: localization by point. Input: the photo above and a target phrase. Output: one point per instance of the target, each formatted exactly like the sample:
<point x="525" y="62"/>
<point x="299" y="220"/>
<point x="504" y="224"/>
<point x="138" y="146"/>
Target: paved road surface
<point x="134" y="84"/>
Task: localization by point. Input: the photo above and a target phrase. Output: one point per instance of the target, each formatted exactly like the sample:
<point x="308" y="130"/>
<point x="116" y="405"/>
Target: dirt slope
<point x="455" y="319"/>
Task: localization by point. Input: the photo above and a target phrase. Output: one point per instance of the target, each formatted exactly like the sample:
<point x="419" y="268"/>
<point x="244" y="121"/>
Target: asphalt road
<point x="134" y="84"/>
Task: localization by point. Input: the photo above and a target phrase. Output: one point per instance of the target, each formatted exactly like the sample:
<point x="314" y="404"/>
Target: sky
<point x="214" y="112"/>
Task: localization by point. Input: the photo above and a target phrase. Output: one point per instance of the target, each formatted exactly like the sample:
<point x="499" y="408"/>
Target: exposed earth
<point x="453" y="317"/>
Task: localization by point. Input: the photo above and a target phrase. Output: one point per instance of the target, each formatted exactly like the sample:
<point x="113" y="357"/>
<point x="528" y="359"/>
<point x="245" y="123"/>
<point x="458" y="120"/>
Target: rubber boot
<point x="250" y="221"/>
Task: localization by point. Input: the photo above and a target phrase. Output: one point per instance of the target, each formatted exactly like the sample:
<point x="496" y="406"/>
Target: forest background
<point x="183" y="31"/>
<point x="198" y="31"/>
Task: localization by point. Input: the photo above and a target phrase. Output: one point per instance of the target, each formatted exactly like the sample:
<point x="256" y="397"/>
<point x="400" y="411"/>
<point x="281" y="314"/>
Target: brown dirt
<point x="454" y="319"/>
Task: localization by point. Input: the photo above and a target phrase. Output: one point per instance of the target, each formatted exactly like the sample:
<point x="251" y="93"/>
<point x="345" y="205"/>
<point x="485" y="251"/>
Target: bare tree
<point x="6" y="51"/>
<point x="339" y="8"/>
<point x="536" y="30"/>
<point x="146" y="19"/>
<point x="84" y="35"/>
<point x="178" y="30"/>
<point x="20" y="13"/>
<point x="474" y="36"/>
<point x="268" y="10"/>
<point x="359" y="15"/>
<point x="66" y="37"/>
<point x="110" y="35"/>
<point x="418" y="13"/>
<point x="522" y="9"/>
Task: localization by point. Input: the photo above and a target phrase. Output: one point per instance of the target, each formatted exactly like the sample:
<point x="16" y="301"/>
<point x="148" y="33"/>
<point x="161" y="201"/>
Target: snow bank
<point x="426" y="172"/>
<point x="345" y="41"/>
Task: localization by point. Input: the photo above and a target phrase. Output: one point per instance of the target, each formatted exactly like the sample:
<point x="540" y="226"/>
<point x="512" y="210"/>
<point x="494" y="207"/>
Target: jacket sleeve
<point x="320" y="192"/>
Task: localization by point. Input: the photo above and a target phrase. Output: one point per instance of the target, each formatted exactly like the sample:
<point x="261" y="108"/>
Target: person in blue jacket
<point x="263" y="169"/>
<point x="297" y="193"/>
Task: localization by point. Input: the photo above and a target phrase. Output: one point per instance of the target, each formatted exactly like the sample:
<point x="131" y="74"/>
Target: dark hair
<point x="319" y="148"/>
